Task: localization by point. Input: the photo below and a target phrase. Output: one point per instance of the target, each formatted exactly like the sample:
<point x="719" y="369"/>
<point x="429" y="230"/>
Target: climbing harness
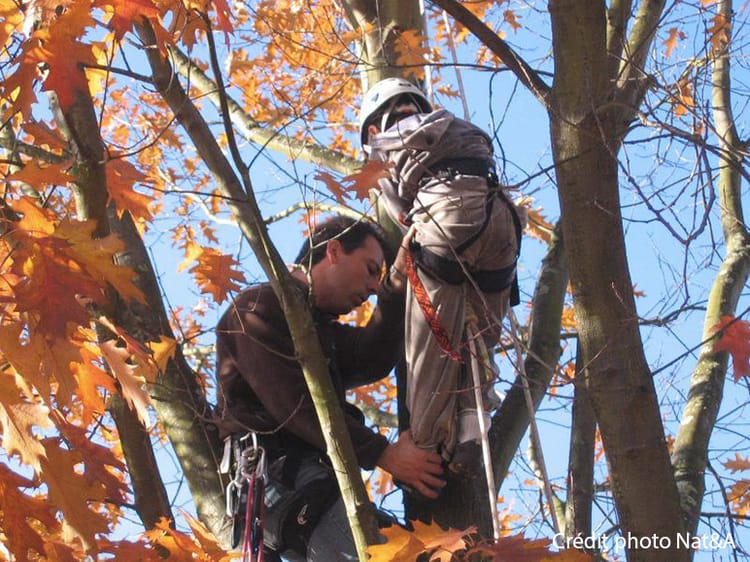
<point x="245" y="496"/>
<point x="428" y="310"/>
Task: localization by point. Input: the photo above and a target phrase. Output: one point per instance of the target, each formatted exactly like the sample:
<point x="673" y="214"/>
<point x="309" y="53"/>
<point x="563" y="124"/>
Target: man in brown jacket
<point x="262" y="387"/>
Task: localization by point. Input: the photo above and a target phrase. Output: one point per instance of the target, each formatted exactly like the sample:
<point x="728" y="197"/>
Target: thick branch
<point x="511" y="421"/>
<point x="254" y="131"/>
<point x="525" y="74"/>
<point x="690" y="456"/>
<point x="632" y="80"/>
<point x="80" y="126"/>
<point x="581" y="461"/>
<point x="294" y="303"/>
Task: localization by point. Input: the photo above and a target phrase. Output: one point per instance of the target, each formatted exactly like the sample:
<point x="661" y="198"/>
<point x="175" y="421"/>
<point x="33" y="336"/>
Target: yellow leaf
<point x="400" y="546"/>
<point x="162" y="351"/>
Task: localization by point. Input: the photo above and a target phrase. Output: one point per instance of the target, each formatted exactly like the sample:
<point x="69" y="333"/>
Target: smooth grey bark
<point x="510" y="422"/>
<point x="581" y="460"/>
<point x="690" y="455"/>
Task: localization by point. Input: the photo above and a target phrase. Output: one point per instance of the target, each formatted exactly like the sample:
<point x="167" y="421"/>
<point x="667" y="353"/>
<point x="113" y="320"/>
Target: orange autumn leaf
<point x="25" y="516"/>
<point x="216" y="274"/>
<point x="127" y="374"/>
<point x="412" y="53"/>
<point x="126" y="12"/>
<point x="39" y="175"/>
<point x="93" y="381"/>
<point x="72" y="493"/>
<point x="405" y="546"/>
<point x="671" y="42"/>
<point x="683" y="102"/>
<point x="58" y="46"/>
<point x="122" y="176"/>
<point x="45" y="137"/>
<point x="568" y="320"/>
<point x="734" y="337"/>
<point x="442" y="543"/>
<point x="400" y="546"/>
<point x="738" y="464"/>
<point x="510" y="17"/>
<point x="719" y="32"/>
<point x="357" y="184"/>
<point x="11" y="19"/>
<point x="20" y="419"/>
<point x="183" y="547"/>
<point x="209" y="544"/>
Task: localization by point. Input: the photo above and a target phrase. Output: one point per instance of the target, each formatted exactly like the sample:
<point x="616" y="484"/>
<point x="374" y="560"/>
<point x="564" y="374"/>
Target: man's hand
<point x="415" y="467"/>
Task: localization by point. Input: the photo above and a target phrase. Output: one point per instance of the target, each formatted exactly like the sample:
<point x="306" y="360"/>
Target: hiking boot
<point x="467" y="460"/>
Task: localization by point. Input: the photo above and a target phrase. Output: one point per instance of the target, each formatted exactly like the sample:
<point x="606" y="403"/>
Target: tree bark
<point x="617" y="378"/>
<point x="581" y="461"/>
<point x="293" y="301"/>
<point x="80" y="126"/>
<point x="690" y="455"/>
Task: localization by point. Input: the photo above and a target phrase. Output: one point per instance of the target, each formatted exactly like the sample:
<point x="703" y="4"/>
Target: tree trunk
<point x="617" y="376"/>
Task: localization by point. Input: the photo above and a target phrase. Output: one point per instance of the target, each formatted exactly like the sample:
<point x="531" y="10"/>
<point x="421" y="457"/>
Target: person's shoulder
<point x="259" y="299"/>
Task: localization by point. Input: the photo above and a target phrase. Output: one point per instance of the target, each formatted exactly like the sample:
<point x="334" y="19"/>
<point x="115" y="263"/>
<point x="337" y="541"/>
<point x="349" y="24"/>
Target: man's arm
<point x="261" y="361"/>
<point x="368" y="354"/>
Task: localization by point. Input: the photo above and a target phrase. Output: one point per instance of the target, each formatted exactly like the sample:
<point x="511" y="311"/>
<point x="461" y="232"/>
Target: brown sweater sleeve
<point x="262" y="382"/>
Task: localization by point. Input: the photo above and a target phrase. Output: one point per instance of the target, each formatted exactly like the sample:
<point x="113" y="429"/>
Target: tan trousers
<point x="440" y="395"/>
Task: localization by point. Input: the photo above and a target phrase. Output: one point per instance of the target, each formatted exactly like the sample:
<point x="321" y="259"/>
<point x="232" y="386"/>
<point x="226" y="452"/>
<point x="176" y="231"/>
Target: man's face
<point x="347" y="280"/>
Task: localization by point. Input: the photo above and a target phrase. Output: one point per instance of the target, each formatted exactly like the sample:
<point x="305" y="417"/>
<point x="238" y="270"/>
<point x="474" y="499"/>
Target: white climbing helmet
<point x="383" y="92"/>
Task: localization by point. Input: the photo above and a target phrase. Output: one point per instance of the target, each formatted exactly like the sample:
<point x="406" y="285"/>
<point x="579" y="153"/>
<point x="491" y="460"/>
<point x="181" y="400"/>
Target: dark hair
<point x="350" y="232"/>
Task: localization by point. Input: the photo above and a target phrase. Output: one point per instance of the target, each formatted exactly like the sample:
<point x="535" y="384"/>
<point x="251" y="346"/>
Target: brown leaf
<point x="671" y="42"/>
<point x="738" y="464"/>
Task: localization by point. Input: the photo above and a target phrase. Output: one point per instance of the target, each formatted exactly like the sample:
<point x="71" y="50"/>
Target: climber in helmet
<point x="465" y="239"/>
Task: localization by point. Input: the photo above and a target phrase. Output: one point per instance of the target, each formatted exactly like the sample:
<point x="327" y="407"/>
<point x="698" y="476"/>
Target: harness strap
<point x="428" y="310"/>
<point x="449" y="270"/>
